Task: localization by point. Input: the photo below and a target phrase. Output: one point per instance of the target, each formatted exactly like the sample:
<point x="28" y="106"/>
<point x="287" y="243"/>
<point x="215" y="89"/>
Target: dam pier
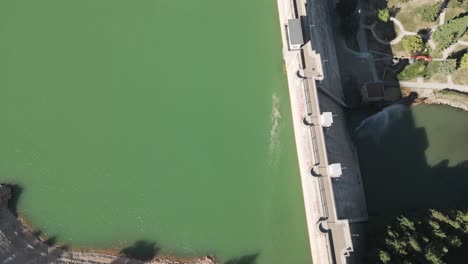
<point x="331" y="181"/>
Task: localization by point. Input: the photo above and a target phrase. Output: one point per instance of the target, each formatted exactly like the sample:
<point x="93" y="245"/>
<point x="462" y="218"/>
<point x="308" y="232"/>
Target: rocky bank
<point x="446" y="97"/>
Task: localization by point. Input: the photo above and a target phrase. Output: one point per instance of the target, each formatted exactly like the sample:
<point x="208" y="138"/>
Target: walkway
<point x="445" y="53"/>
<point x="402" y="32"/>
<point x="432" y="85"/>
<point x="318" y="241"/>
<point x="330" y="237"/>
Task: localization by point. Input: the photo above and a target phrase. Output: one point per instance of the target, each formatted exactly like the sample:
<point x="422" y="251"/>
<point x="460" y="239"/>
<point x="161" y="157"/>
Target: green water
<point x="163" y="121"/>
<point x="415" y="158"/>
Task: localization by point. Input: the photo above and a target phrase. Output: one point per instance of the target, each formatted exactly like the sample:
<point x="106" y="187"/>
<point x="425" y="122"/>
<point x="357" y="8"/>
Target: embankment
<point x="446" y="97"/>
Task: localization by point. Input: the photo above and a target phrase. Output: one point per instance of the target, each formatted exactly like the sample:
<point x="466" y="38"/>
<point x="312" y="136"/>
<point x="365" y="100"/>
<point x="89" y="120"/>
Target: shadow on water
<point x="396" y="174"/>
<point x="16" y="191"/>
<point x="246" y="259"/>
<point x="362" y="62"/>
<point x="142" y="250"/>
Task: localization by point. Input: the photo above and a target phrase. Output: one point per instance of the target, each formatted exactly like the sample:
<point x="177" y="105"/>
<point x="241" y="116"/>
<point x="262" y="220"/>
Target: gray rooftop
<point x="295" y="32"/>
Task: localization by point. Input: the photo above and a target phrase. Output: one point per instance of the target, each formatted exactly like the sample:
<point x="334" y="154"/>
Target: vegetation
<point x="423" y="238"/>
<point x="449" y="33"/>
<point x="445" y="67"/>
<point x="383" y="14"/>
<point x="417" y="69"/>
<point x="457" y="3"/>
<point x="430" y="13"/>
<point x="413" y="42"/>
<point x="464" y="61"/>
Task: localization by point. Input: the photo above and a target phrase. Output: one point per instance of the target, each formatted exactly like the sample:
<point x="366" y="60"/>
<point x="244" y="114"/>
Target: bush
<point x="413" y="42"/>
<point x="464" y="61"/>
<point x="450" y="32"/>
<point x="430" y="13"/>
<point x="383" y="14"/>
<point x="445" y="67"/>
<point x="417" y="69"/>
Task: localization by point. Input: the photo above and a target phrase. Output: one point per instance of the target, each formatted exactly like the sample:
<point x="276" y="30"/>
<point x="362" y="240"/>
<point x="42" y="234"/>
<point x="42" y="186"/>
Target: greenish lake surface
<point x="414" y="158"/>
<point x="162" y="121"/>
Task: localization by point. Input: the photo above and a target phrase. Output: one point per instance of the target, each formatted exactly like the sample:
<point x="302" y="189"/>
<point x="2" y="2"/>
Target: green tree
<point x="430" y="13"/>
<point x="417" y="69"/>
<point x="450" y="32"/>
<point x="422" y="238"/>
<point x="445" y="67"/>
<point x="464" y="61"/>
<point x="384" y="256"/>
<point x="383" y="14"/>
<point x="413" y="42"/>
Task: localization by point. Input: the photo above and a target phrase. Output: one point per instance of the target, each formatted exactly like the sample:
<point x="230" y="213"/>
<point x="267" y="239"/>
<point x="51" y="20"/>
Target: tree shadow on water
<point x="246" y="259"/>
<point x="142" y="250"/>
<point x="16" y="191"/>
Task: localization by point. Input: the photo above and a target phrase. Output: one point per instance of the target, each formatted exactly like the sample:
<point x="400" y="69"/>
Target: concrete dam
<point x="333" y="191"/>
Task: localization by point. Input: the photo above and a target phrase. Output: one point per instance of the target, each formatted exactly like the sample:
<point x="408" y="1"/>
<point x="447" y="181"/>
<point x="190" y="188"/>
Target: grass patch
<point x="452" y="12"/>
<point x="409" y="14"/>
<point x="399" y="51"/>
<point x="460" y="76"/>
<point x="438" y="78"/>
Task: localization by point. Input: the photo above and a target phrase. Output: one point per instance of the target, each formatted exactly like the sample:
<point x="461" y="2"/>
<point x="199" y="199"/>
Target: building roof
<point x="295" y="32"/>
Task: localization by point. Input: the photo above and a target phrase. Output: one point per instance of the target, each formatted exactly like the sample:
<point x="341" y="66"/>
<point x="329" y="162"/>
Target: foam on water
<point x="275" y="121"/>
<point x="374" y="127"/>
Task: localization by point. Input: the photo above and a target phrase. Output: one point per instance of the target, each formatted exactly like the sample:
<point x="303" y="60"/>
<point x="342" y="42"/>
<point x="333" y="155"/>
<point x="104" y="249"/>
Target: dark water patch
<point x="247" y="259"/>
<point x="394" y="146"/>
<point x="142" y="250"/>
<point x="16" y="191"/>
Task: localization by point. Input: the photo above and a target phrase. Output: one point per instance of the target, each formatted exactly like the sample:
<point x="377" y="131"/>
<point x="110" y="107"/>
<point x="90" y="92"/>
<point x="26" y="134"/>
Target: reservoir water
<point x="414" y="158"/>
<point x="166" y="122"/>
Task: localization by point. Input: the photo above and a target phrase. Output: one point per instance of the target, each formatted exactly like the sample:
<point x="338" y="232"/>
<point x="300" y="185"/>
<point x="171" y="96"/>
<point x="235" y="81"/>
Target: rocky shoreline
<point x="18" y="245"/>
<point x="442" y="97"/>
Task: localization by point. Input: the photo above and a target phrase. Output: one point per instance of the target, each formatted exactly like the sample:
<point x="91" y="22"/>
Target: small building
<point x="295" y="36"/>
<point x="372" y="92"/>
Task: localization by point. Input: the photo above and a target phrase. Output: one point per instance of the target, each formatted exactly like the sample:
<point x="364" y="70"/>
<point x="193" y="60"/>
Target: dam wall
<point x="333" y="192"/>
<point x="349" y="191"/>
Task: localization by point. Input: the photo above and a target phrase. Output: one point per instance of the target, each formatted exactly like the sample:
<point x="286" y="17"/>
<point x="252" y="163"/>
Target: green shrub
<point x="417" y="69"/>
<point x="464" y="61"/>
<point x="430" y="13"/>
<point x="450" y="32"/>
<point x="413" y="42"/>
<point x="384" y="256"/>
<point x="384" y="14"/>
<point x="445" y="67"/>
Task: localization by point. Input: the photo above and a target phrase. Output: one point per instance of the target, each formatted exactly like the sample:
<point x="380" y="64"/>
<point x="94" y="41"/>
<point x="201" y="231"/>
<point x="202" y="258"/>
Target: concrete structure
<point x="331" y="196"/>
<point x="295" y="36"/>
<point x="372" y="92"/>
